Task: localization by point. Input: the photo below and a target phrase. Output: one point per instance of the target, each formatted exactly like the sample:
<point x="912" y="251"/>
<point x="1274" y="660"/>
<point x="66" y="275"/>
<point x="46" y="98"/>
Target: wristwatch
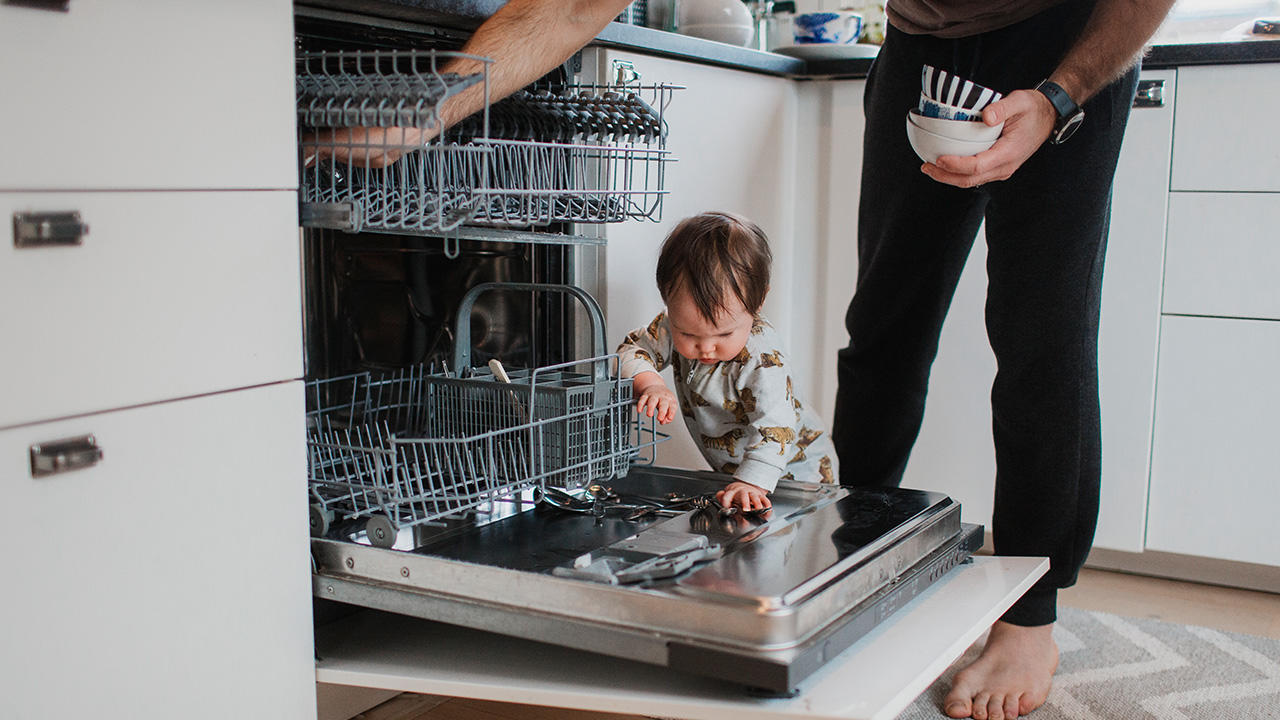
<point x="1069" y="113"/>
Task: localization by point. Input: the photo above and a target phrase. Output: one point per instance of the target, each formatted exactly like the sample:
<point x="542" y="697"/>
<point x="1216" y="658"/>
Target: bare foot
<point x="1009" y="679"/>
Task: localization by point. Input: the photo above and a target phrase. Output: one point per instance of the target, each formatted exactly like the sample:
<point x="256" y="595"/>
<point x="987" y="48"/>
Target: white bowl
<point x="739" y="35"/>
<point x="931" y="146"/>
<point x="967" y="130"/>
<point x="712" y="12"/>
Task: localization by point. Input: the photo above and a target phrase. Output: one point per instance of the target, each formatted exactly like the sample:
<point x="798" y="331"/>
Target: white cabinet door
<point x="129" y="94"/>
<point x="1215" y="471"/>
<point x="955" y="452"/>
<point x="1224" y="255"/>
<point x="1226" y="120"/>
<point x="731" y="133"/>
<point x="170" y="579"/>
<point x="827" y="208"/>
<point x="1130" y="324"/>
<point x="170" y="295"/>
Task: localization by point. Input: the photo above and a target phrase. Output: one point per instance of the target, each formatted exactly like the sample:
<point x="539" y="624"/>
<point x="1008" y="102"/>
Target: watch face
<point x="1068" y="128"/>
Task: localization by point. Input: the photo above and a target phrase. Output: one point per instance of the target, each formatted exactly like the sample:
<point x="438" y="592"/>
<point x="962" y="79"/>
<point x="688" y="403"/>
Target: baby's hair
<point x="711" y="255"/>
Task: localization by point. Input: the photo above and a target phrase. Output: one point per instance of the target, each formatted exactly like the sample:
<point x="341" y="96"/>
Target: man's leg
<point x="1046" y="233"/>
<point x="914" y="235"/>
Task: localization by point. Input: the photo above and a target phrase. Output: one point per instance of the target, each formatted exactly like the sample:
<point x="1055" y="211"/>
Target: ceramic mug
<point x="827" y="28"/>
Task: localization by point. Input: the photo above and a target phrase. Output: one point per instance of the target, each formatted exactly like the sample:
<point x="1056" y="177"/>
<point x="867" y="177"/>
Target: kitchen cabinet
<point x="169" y="575"/>
<point x="1213" y="474"/>
<point x="1226" y="138"/>
<point x="158" y="302"/>
<point x="1213" y="455"/>
<point x="834" y="124"/>
<point x="128" y="94"/>
<point x="954" y="453"/>
<point x="161" y="581"/>
<point x="732" y="135"/>
<point x="1224" y="255"/>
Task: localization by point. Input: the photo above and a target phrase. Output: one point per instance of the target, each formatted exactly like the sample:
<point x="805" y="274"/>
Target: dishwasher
<point x="474" y="457"/>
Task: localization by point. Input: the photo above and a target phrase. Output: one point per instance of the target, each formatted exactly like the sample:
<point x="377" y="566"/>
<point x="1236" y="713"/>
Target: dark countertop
<point x="466" y="14"/>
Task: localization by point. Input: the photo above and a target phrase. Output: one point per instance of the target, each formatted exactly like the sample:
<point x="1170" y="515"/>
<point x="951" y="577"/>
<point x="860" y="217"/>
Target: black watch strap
<point x="1069" y="113"/>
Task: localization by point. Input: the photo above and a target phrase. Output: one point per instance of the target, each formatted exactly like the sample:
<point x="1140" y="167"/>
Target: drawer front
<point x="1223" y="255"/>
<point x="1226" y="120"/>
<point x="127" y="94"/>
<point x="169" y="295"/>
<point x="170" y="579"/>
<point x="1214" y="455"/>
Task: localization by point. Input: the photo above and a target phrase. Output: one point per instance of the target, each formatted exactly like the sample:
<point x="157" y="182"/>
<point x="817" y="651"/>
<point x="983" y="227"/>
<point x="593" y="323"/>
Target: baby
<point x="733" y="382"/>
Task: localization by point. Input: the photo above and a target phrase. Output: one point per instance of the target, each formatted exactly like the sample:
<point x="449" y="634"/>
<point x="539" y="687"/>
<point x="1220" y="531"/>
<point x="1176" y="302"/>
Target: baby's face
<point x="697" y="338"/>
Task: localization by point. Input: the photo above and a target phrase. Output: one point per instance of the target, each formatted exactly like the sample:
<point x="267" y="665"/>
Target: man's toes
<point x="956" y="705"/>
<point x="995" y="708"/>
<point x="959" y="700"/>
<point x="980" y="709"/>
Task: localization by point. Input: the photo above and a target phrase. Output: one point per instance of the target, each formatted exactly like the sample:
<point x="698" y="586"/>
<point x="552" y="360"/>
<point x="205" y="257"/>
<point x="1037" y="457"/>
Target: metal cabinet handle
<point x="44" y="229"/>
<point x="57" y="5"/>
<point x="60" y="456"/>
<point x="1150" y="94"/>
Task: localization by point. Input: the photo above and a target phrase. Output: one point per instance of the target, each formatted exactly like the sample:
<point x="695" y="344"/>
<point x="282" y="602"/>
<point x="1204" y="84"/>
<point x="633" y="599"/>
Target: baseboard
<point x="1175" y="566"/>
<point x="1210" y="571"/>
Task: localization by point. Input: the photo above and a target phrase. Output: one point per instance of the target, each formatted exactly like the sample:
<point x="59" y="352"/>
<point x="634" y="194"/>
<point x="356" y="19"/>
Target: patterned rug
<point x="1114" y="668"/>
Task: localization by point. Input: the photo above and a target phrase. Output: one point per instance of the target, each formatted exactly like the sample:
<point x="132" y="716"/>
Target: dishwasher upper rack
<point x="413" y="446"/>
<point x="582" y="153"/>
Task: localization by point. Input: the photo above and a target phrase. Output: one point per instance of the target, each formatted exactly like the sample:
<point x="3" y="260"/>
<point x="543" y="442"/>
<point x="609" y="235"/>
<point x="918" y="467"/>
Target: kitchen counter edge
<point x="466" y="14"/>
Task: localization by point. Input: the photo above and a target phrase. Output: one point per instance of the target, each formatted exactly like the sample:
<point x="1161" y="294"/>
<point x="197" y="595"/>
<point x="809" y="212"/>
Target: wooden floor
<point x="1228" y="609"/>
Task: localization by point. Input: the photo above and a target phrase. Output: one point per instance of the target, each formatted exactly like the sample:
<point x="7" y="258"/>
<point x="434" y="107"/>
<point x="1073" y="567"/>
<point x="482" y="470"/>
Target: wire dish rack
<point x="374" y="155"/>
<point x="415" y="446"/>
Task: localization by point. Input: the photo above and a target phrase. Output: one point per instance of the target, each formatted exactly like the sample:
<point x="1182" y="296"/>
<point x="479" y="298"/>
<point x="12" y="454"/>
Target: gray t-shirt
<point x="960" y="18"/>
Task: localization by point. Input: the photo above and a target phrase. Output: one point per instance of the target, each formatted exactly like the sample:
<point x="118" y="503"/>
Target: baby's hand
<point x="657" y="401"/>
<point x="744" y="495"/>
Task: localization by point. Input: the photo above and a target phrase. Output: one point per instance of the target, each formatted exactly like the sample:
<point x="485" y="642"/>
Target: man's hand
<point x="744" y="495"/>
<point x="655" y="399"/>
<point x="371" y="147"/>
<point x="1028" y="118"/>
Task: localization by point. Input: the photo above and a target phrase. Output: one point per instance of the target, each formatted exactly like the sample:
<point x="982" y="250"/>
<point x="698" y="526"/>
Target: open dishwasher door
<point x="785" y="593"/>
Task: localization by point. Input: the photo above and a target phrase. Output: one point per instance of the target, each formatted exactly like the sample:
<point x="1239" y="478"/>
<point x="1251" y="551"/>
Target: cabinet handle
<point x="60" y="456"/>
<point x="58" y="5"/>
<point x="1150" y="94"/>
<point x="48" y="228"/>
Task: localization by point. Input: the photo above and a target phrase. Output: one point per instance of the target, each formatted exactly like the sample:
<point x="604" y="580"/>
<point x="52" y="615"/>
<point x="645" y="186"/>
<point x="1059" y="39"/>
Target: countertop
<point x="466" y="14"/>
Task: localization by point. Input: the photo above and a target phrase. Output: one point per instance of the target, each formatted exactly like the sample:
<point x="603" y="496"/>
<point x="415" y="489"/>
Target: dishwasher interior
<point x="474" y="456"/>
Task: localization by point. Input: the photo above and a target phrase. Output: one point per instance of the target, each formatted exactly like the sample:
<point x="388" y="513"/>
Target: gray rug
<point x="1114" y="668"/>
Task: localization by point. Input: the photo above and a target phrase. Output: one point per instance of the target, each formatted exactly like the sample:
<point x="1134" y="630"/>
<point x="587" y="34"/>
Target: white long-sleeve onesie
<point x="743" y="412"/>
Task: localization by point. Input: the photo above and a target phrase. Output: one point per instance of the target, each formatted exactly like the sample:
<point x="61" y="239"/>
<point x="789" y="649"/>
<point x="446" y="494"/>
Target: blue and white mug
<point x="827" y="28"/>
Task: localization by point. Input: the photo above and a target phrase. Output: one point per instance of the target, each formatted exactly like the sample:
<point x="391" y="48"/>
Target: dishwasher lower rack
<point x="412" y="446"/>
<point x="375" y="156"/>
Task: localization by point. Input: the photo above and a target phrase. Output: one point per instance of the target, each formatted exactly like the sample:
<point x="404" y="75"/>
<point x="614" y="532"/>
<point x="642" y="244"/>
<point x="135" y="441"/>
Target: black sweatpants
<point x="1046" y="237"/>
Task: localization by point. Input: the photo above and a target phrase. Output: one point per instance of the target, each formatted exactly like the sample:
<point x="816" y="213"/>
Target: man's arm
<point x="524" y="38"/>
<point x="1111" y="42"/>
